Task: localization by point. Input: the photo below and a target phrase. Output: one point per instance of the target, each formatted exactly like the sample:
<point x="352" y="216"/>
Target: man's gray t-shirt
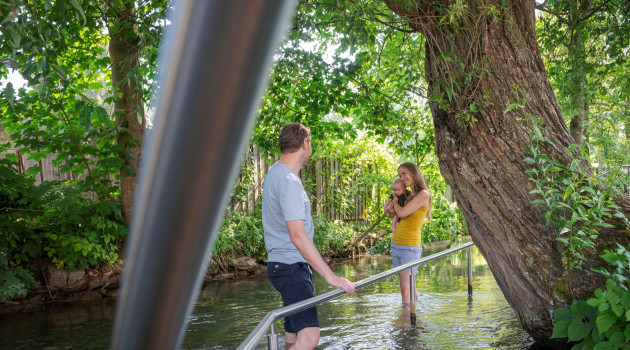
<point x="284" y="199"/>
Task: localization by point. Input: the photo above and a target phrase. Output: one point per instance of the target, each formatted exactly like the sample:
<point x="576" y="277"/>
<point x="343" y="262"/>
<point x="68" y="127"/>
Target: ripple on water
<point x="373" y="318"/>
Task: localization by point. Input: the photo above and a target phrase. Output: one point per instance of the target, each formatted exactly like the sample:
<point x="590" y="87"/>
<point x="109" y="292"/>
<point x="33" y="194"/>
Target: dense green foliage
<point x="65" y="113"/>
<point x="350" y="70"/>
<point x="52" y="222"/>
<point x="348" y="67"/>
<point x="585" y="48"/>
<point x="584" y="45"/>
<point x="242" y="235"/>
<point x="577" y="204"/>
<point x="602" y="322"/>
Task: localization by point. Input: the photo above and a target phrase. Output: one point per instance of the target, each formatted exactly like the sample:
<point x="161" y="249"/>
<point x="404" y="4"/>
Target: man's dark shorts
<point x="295" y="283"/>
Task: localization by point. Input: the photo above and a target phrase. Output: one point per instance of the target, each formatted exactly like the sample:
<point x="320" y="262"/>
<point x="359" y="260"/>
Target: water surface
<point x="374" y="318"/>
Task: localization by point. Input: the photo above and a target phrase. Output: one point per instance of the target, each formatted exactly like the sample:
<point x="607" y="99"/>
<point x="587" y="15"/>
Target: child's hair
<point x="398" y="180"/>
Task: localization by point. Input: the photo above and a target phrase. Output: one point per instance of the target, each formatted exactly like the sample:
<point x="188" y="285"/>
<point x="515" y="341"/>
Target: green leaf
<point x="139" y="114"/>
<point x="578" y="329"/>
<point x="583" y="320"/>
<point x="617" y="310"/>
<point x="616" y="340"/>
<point x="77" y="6"/>
<point x="572" y="147"/>
<point x="86" y="116"/>
<point x="511" y="107"/>
<point x="9" y="93"/>
<point x="562" y="319"/>
<point x="594" y="302"/>
<point x="62" y="73"/>
<point x="538" y="133"/>
<point x="567" y="192"/>
<point x="605" y="320"/>
<point x="605" y="345"/>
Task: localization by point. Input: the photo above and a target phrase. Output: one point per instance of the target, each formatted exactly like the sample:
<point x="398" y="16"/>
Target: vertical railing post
<point x="470" y="270"/>
<point x="272" y="340"/>
<point x="412" y="298"/>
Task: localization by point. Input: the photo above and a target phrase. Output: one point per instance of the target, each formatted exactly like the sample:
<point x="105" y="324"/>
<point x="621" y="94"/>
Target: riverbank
<point x="58" y="286"/>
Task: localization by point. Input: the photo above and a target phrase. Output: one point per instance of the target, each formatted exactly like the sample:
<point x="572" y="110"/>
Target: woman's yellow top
<point x="409" y="229"/>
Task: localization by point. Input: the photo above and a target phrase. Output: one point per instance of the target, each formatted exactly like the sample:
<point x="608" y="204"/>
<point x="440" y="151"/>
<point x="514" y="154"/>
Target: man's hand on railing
<point x="342" y="283"/>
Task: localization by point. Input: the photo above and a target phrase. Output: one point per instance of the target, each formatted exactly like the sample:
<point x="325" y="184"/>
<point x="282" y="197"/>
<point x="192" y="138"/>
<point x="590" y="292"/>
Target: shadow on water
<point x="374" y="318"/>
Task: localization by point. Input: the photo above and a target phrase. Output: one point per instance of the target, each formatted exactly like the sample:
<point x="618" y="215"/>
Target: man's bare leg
<point x="289" y="340"/>
<point x="307" y="339"/>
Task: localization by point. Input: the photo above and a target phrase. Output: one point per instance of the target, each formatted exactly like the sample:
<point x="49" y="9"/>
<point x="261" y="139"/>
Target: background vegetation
<point x="350" y="70"/>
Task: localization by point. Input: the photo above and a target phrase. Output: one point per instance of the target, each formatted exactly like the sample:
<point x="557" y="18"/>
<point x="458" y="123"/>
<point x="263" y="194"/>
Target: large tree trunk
<point x="477" y="64"/>
<point x="124" y="52"/>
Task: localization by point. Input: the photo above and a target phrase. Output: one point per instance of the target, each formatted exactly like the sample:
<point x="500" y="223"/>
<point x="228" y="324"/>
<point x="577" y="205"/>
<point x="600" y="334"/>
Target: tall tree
<point x="124" y="51"/>
<point x="483" y="60"/>
<point x="582" y="43"/>
<point x="71" y="53"/>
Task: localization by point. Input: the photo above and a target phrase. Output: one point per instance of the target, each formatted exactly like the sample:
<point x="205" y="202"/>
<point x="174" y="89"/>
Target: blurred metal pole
<point x="216" y="61"/>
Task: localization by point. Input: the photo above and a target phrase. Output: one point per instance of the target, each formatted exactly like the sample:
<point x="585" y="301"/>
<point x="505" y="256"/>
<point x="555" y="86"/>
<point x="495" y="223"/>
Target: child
<point x="398" y="189"/>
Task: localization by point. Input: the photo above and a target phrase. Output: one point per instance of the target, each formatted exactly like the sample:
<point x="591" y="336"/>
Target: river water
<point x="373" y="318"/>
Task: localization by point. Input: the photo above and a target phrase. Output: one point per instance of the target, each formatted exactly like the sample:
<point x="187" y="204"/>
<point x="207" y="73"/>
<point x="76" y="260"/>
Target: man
<point x="288" y="226"/>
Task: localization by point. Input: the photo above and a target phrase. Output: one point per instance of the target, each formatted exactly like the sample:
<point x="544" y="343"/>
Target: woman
<point x="406" y="242"/>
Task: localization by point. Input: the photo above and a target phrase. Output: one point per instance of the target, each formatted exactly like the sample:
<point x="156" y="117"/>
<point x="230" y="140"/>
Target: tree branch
<point x="544" y="9"/>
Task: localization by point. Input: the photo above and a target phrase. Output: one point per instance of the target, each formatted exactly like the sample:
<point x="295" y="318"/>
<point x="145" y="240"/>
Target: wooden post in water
<point x="470" y="268"/>
<point x="412" y="297"/>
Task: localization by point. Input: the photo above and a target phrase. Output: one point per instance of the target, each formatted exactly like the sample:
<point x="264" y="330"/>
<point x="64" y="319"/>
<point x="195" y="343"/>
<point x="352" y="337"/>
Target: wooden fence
<point x="329" y="183"/>
<point x="48" y="170"/>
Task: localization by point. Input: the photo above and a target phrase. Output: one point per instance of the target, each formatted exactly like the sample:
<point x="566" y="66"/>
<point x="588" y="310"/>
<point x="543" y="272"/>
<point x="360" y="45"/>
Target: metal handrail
<point x="257" y="334"/>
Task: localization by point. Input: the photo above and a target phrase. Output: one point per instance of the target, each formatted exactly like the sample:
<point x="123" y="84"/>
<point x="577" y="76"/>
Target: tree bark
<point x="477" y="64"/>
<point x="124" y="51"/>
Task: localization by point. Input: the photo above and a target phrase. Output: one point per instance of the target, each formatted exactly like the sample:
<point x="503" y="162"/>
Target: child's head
<point x="398" y="187"/>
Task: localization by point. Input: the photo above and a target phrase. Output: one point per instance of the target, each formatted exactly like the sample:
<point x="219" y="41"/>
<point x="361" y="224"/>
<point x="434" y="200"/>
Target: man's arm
<point x="306" y="247"/>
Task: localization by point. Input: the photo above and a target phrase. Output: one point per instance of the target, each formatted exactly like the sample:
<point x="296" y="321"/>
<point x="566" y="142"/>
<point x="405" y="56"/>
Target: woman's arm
<point x="417" y="202"/>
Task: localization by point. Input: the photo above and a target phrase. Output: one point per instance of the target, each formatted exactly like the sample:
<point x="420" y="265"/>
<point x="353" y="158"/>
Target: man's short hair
<point x="291" y="137"/>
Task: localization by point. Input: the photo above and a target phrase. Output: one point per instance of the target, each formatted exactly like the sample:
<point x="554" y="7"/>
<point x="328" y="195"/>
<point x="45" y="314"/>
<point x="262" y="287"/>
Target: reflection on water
<point x="373" y="318"/>
<point x="86" y="326"/>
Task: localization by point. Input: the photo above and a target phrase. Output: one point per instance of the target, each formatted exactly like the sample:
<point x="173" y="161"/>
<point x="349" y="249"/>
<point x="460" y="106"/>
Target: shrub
<point x="53" y="221"/>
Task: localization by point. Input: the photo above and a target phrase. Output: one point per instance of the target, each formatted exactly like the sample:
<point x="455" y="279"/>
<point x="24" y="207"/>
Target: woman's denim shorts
<point x="402" y="254"/>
